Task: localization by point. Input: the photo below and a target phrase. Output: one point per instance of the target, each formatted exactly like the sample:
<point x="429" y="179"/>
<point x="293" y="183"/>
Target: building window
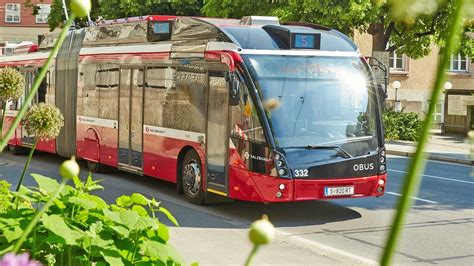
<point x="12" y="13"/>
<point x="438" y="116"/>
<point x="397" y="61"/>
<point x="43" y="12"/>
<point x="458" y="63"/>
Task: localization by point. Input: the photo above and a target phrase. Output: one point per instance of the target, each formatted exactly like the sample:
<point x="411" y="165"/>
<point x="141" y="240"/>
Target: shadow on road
<point x="289" y="214"/>
<point x="236" y="213"/>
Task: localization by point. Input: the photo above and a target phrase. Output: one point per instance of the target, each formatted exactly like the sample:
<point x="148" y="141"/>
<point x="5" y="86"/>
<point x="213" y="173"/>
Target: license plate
<point x="338" y="191"/>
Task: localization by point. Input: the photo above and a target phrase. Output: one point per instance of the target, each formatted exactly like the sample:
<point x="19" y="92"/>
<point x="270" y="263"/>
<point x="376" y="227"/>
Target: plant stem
<point x="89" y="253"/>
<point x="417" y="164"/>
<point x="27" y="164"/>
<point x="37" y="83"/>
<point x="38" y="215"/>
<point x="135" y="245"/>
<point x="34" y="243"/>
<point x="69" y="257"/>
<point x="251" y="255"/>
<point x="4" y="107"/>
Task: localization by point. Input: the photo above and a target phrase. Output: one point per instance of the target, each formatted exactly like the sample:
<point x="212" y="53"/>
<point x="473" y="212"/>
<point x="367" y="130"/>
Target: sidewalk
<point x="440" y="147"/>
<point x="230" y="246"/>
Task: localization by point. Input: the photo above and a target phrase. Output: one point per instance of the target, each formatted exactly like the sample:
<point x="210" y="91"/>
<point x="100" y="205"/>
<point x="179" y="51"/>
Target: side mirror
<point x="234" y="94"/>
<point x="382" y="90"/>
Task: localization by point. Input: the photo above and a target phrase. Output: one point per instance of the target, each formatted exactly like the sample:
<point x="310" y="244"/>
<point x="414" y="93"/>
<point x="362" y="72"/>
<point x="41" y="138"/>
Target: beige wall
<point x="17" y="34"/>
<point x="418" y="78"/>
<point x="364" y="42"/>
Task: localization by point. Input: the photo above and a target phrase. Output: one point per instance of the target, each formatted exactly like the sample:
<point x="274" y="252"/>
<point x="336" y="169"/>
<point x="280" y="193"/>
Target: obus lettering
<point x="363" y="167"/>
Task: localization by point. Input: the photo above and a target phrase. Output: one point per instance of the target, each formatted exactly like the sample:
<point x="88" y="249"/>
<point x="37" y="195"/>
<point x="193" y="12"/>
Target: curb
<point x="434" y="157"/>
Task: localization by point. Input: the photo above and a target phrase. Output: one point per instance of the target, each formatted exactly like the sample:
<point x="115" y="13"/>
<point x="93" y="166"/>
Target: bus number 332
<point x="301" y="172"/>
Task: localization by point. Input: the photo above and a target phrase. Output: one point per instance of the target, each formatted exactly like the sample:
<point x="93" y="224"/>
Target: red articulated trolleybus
<point x="246" y="109"/>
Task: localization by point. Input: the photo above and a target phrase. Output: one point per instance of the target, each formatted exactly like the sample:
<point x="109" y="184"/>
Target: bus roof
<point x="195" y="33"/>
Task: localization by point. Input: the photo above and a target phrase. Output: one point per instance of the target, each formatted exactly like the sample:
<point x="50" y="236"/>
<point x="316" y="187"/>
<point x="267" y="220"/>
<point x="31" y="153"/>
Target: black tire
<point x="17" y="150"/>
<point x="94" y="167"/>
<point x="191" y="172"/>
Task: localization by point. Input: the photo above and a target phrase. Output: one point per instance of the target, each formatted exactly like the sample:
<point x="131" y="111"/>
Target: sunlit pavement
<point x="438" y="230"/>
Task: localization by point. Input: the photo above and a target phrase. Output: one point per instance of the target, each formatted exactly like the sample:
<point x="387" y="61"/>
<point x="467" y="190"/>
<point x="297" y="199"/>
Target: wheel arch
<point x="91" y="148"/>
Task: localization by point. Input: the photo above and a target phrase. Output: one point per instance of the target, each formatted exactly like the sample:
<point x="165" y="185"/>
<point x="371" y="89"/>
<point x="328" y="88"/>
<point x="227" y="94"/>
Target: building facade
<point x="454" y="109"/>
<point x="18" y="24"/>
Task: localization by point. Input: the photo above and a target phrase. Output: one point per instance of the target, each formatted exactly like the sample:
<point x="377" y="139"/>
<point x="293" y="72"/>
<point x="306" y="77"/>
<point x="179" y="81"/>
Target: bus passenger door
<point x="130" y="133"/>
<point x="217" y="133"/>
<point x="30" y="74"/>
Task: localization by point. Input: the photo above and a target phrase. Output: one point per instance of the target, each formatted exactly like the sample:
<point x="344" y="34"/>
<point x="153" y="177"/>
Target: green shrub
<point x="82" y="229"/>
<point x="401" y="125"/>
<point x="5" y="196"/>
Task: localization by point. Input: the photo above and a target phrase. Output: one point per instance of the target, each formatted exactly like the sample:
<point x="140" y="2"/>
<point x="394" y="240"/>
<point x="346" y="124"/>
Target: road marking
<point x="324" y="249"/>
<point x="431" y="160"/>
<point x="424" y="200"/>
<point x="437" y="177"/>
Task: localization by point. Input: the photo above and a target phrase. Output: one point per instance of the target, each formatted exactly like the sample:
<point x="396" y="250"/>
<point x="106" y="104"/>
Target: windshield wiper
<point x="338" y="148"/>
<point x="317" y="147"/>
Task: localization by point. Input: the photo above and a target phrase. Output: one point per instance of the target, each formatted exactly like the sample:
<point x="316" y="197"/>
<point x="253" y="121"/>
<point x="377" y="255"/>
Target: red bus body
<point x="97" y="139"/>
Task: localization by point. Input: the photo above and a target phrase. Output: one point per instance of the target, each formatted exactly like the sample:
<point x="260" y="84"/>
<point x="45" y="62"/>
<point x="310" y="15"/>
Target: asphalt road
<point x="438" y="230"/>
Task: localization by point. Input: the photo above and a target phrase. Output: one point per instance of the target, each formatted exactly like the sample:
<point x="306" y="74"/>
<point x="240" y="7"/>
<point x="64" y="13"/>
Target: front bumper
<point x="249" y="186"/>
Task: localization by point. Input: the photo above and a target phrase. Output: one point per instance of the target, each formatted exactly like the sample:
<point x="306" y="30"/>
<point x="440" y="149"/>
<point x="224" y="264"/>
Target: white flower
<point x="12" y="84"/>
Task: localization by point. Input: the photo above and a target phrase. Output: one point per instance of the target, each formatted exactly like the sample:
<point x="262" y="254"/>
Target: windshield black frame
<point x="361" y="68"/>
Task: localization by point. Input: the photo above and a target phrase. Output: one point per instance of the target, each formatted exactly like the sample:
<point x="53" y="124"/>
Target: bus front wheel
<point x="94" y="167"/>
<point x="17" y="150"/>
<point x="191" y="178"/>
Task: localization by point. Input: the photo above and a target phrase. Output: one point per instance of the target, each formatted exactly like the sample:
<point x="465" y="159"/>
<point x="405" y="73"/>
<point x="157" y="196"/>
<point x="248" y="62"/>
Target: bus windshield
<point x="316" y="102"/>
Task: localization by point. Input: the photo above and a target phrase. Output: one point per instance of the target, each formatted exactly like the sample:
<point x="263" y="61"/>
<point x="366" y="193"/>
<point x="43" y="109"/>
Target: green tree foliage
<point x="56" y="18"/>
<point x="112" y="9"/>
<point x="411" y="35"/>
<point x="410" y="31"/>
<point x="240" y="8"/>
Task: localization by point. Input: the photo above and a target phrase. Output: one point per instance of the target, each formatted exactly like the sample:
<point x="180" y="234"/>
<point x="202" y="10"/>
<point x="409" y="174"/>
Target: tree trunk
<point x="379" y="41"/>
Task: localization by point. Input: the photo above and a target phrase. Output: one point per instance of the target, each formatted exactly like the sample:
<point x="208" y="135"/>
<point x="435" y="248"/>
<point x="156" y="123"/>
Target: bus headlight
<point x="281" y="165"/>
<point x="282" y="172"/>
<point x="383" y="161"/>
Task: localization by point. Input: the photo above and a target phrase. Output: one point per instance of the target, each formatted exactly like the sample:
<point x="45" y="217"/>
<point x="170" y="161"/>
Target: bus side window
<point x="107" y="78"/>
<point x="89" y="94"/>
<point x="160" y="77"/>
<point x="245" y="120"/>
<point x="43" y="89"/>
<point x="50" y="97"/>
